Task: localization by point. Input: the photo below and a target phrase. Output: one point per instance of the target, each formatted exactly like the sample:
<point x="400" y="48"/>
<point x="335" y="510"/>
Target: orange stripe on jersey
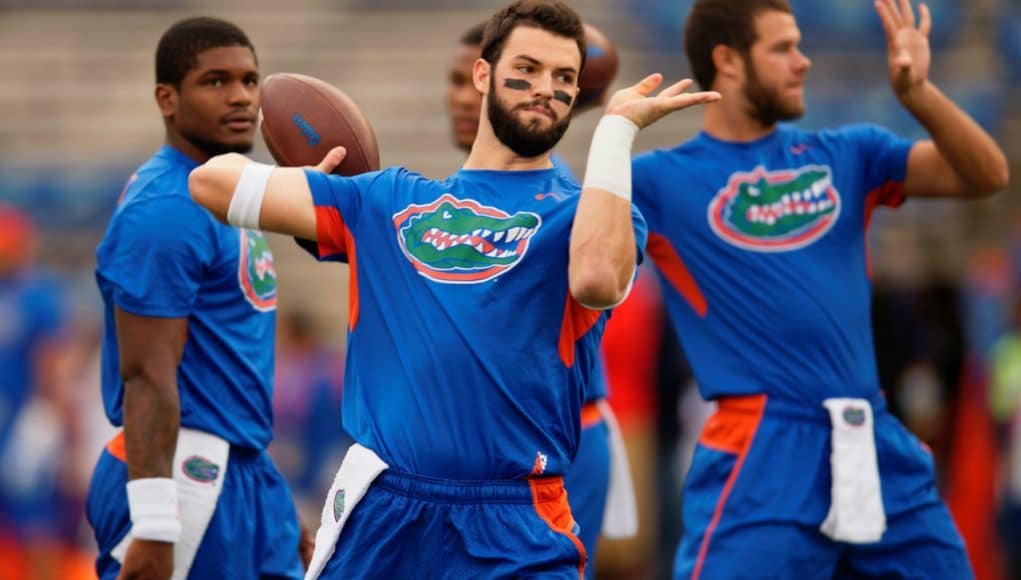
<point x="577" y="321"/>
<point x="550" y="501"/>
<point x="331" y="231"/>
<point x="116" y="447"/>
<point x="590" y="415"/>
<point x="352" y="283"/>
<point x="676" y="272"/>
<point x="891" y="194"/>
<point x="730" y="429"/>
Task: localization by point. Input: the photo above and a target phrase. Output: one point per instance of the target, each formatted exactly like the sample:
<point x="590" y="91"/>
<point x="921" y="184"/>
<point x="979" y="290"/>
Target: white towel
<point x="358" y="470"/>
<point x="620" y="520"/>
<point x="200" y="466"/>
<point x="856" y="507"/>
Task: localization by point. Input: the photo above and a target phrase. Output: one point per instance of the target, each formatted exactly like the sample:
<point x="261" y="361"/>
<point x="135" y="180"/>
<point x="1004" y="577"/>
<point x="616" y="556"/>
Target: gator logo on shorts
<point x="200" y="469"/>
<point x="256" y="274"/>
<point x="854" y="416"/>
<point x="460" y="241"/>
<point x="338" y="505"/>
<point x="775" y="211"/>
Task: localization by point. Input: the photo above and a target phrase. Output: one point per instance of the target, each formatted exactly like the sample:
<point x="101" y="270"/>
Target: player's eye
<point x="526" y="69"/>
<point x="214" y="82"/>
<point x="566" y="78"/>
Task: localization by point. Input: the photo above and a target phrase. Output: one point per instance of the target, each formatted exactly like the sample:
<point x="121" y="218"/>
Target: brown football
<point x="600" y="68"/>
<point x="304" y="117"/>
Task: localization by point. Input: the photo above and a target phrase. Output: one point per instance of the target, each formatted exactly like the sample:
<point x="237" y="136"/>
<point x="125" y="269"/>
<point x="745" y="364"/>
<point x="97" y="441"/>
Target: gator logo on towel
<point x="460" y="241"/>
<point x="256" y="274"/>
<point x="200" y="469"/>
<point x="775" y="211"/>
<point x="854" y="416"/>
<point x="338" y="505"/>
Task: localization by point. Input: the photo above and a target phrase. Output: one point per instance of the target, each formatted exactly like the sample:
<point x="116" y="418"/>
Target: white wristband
<point x="609" y="157"/>
<point x="153" y="506"/>
<point x="246" y="204"/>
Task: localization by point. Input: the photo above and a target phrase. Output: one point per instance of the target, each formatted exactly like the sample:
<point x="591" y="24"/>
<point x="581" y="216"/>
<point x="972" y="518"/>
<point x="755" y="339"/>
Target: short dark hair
<point x="473" y="36"/>
<point x="180" y="46"/>
<point x="728" y="22"/>
<point x="552" y="16"/>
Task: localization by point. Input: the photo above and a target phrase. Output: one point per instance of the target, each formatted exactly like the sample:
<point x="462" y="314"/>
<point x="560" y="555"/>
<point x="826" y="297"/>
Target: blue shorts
<point x="253" y="532"/>
<point x="415" y="527"/>
<point x="588" y="480"/>
<point x="759" y="488"/>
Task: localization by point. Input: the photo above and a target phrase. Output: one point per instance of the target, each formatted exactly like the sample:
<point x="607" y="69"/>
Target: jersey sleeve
<point x="339" y="202"/>
<point x="643" y="191"/>
<point x="641" y="235"/>
<point x="884" y="158"/>
<point x="158" y="251"/>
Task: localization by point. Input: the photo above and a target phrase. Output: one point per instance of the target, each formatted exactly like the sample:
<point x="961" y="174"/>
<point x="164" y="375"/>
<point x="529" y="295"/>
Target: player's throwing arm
<point x="602" y="239"/>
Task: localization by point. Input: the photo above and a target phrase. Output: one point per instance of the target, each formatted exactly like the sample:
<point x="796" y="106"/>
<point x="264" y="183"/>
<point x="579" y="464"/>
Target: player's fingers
<point x="924" y="19"/>
<point x="888" y="25"/>
<point x="676" y="88"/>
<point x="891" y="6"/>
<point x="907" y="13"/>
<point x="691" y="99"/>
<point x="648" y="84"/>
<point x="332" y="160"/>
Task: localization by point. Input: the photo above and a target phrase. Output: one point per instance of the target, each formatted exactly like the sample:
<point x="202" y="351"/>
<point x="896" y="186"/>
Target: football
<point x="600" y="68"/>
<point x="304" y="117"/>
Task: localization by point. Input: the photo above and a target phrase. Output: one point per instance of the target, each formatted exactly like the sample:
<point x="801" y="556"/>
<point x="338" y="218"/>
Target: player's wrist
<point x="609" y="160"/>
<point x="152" y="503"/>
<point x="246" y="201"/>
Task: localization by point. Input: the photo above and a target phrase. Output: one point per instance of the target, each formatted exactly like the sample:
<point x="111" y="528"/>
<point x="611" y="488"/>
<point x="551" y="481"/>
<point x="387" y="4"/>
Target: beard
<point x="527" y="140"/>
<point x="767" y="106"/>
<point x="214" y="148"/>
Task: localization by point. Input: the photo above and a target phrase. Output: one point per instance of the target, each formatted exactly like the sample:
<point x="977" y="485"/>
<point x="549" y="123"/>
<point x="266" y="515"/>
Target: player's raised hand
<point x="147" y="560"/>
<point x="908" y="53"/>
<point x="636" y="104"/>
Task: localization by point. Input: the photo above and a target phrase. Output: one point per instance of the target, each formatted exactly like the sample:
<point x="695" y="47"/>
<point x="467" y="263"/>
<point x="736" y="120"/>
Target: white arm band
<point x="246" y="204"/>
<point x="153" y="506"/>
<point x="609" y="157"/>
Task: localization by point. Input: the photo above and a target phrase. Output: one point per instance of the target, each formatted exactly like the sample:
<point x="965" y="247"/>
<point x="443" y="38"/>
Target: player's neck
<point x="731" y="122"/>
<point x="191" y="150"/>
<point x="488" y="152"/>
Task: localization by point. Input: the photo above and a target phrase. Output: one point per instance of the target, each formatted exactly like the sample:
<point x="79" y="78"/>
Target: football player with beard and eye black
<point x="759" y="233"/>
<point x="476" y="308"/>
<point x="598" y="483"/>
<point x="187" y="489"/>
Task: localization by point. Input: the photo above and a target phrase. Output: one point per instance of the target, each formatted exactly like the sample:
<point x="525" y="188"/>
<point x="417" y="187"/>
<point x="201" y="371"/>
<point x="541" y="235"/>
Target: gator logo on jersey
<point x="256" y="274"/>
<point x="460" y="241"/>
<point x="200" y="469"/>
<point x="775" y="211"/>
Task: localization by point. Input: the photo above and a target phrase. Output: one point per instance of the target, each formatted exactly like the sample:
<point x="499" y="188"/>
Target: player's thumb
<point x="333" y="158"/>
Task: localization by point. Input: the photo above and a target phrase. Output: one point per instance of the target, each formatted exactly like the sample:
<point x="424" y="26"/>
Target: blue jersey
<point x="762" y="247"/>
<point x="32" y="312"/>
<point x="163" y="256"/>
<point x="467" y="355"/>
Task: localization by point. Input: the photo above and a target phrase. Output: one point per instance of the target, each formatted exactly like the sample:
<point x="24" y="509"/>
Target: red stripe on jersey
<point x="577" y="321"/>
<point x="676" y="272"/>
<point x="352" y="283"/>
<point x="330" y="231"/>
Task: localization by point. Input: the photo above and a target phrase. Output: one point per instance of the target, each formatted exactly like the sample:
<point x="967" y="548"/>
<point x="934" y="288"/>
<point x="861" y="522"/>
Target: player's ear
<point x="166" y="99"/>
<point x="480" y="75"/>
<point x="728" y="62"/>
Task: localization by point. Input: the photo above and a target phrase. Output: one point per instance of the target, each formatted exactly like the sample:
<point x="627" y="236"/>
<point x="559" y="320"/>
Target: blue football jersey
<point x="762" y="250"/>
<point x="164" y="256"/>
<point x="467" y="356"/>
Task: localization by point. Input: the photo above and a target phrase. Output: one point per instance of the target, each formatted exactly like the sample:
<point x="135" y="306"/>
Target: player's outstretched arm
<point x="602" y="254"/>
<point x="961" y="160"/>
<point x="243" y="193"/>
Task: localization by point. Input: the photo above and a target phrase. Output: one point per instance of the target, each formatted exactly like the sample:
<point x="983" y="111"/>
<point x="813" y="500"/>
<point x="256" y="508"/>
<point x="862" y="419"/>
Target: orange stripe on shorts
<point x="116" y="447"/>
<point x="550" y="501"/>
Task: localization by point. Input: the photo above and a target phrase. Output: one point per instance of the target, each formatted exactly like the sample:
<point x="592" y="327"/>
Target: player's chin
<point x="237" y="142"/>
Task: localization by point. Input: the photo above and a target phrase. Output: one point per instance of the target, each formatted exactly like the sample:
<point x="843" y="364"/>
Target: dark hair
<point x="180" y="46"/>
<point x="550" y="15"/>
<point x="728" y="22"/>
<point x="473" y="36"/>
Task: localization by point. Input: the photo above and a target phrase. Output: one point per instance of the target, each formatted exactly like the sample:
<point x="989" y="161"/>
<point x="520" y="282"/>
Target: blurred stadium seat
<point x="1010" y="42"/>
